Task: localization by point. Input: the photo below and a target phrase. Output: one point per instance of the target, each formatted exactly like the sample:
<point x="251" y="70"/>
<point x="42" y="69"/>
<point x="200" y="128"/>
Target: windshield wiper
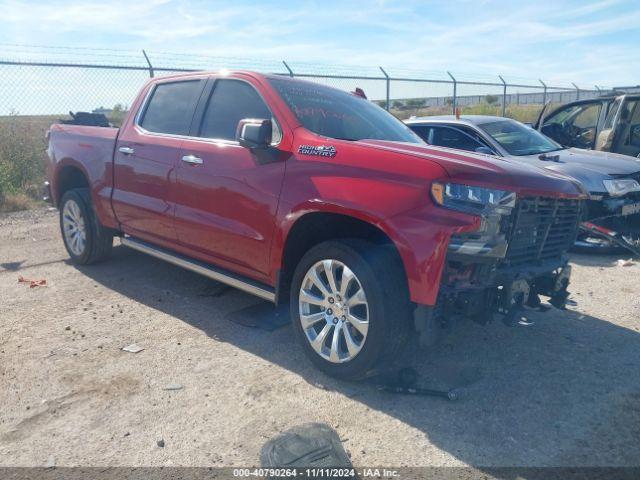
<point x="538" y="152"/>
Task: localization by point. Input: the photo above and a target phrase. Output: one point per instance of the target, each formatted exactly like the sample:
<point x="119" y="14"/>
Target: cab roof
<point x="464" y="119"/>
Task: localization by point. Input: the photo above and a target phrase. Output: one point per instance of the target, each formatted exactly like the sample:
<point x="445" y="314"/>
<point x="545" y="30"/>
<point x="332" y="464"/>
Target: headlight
<point x="621" y="186"/>
<point x="474" y="200"/>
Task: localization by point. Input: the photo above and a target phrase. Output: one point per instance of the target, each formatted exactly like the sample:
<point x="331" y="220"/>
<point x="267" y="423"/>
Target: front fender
<point x="422" y="238"/>
<point x="420" y="235"/>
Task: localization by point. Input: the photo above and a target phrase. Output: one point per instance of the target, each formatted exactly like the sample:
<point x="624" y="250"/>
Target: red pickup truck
<point x="301" y="193"/>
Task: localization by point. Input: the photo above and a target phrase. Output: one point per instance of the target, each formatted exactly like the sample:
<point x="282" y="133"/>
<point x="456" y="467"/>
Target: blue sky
<point x="561" y="41"/>
<point x="569" y="40"/>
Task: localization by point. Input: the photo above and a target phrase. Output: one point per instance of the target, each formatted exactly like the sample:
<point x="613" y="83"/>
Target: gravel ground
<point x="564" y="392"/>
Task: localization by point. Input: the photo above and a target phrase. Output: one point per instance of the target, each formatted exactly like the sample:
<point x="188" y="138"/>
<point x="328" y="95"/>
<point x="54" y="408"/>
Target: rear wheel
<point x="350" y="307"/>
<point x="84" y="238"/>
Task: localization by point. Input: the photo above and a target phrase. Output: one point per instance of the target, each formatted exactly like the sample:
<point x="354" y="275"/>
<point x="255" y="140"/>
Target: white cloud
<point x="586" y="42"/>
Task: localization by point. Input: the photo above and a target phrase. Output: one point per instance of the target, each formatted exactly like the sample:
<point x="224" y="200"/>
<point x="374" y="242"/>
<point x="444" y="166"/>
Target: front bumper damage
<point x="517" y="258"/>
<point x="490" y="290"/>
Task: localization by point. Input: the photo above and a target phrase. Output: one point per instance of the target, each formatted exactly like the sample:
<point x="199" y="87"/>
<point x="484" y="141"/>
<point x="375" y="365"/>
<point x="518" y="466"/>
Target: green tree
<point x="117" y="114"/>
<point x="491" y="99"/>
<point x="416" y="102"/>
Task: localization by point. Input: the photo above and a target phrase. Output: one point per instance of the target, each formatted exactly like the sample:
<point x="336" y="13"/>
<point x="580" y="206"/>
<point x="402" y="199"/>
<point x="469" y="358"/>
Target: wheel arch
<point x="69" y="175"/>
<point x="311" y="227"/>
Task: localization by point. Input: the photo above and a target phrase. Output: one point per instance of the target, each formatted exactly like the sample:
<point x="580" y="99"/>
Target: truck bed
<point x="89" y="149"/>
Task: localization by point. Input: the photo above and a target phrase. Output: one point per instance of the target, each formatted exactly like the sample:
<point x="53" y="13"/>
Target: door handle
<point x="192" y="159"/>
<point x="126" y="150"/>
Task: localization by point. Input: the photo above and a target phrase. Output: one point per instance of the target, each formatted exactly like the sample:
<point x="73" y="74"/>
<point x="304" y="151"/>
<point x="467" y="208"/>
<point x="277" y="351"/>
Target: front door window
<point x="574" y="126"/>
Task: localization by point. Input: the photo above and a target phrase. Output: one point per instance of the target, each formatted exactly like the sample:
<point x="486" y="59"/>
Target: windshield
<point x="518" y="139"/>
<point x="336" y="114"/>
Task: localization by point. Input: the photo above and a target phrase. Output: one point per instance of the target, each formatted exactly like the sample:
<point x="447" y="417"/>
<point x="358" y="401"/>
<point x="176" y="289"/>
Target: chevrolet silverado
<point x="301" y="193"/>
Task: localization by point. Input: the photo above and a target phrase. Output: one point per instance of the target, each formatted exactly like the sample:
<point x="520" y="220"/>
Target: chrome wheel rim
<point x="73" y="227"/>
<point x="334" y="312"/>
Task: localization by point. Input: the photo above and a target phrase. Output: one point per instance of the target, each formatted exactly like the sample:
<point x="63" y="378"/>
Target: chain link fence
<point x="79" y="79"/>
<point x="39" y="85"/>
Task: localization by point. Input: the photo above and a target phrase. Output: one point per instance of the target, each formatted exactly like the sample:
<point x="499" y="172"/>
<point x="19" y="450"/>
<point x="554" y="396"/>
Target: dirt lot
<point x="565" y="392"/>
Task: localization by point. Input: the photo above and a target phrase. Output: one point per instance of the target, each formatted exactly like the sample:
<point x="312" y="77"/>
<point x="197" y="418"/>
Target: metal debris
<point x="174" y="386"/>
<point x="625" y="263"/>
<point x="32" y="283"/>
<point x="133" y="348"/>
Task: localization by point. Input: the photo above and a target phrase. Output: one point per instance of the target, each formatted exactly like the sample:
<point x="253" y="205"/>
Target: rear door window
<point x="171" y="106"/>
<point x="627" y="137"/>
<point x="454" y="138"/>
<point x="424" y="132"/>
<point x="633" y="138"/>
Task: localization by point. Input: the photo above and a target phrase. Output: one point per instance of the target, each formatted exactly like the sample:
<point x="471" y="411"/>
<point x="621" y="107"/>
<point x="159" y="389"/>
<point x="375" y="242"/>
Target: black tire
<point x="99" y="239"/>
<point x="381" y="275"/>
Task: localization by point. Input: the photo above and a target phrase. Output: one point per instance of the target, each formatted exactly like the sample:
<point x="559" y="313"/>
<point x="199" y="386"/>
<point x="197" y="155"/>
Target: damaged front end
<point x="517" y="256"/>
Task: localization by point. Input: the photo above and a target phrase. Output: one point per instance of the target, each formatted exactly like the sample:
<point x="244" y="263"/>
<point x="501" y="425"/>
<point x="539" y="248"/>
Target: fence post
<point x="454" y="103"/>
<point x="504" y="96"/>
<point x="148" y="63"/>
<point x="388" y="80"/>
<point x="287" y="67"/>
<point x="577" y="91"/>
<point x="544" y="92"/>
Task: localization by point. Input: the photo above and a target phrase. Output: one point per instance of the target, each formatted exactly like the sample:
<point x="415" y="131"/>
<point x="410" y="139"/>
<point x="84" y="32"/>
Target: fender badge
<point x="319" y="151"/>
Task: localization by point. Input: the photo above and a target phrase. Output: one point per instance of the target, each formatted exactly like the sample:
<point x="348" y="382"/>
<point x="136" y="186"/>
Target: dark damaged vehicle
<point x="607" y="124"/>
<point x="613" y="181"/>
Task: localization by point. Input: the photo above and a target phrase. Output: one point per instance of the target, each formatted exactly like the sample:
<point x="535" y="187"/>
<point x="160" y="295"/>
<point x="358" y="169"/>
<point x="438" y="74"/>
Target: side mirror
<point x="254" y="133"/>
<point x="485" y="150"/>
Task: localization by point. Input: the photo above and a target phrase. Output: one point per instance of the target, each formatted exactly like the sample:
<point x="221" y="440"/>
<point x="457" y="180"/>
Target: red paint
<point x="237" y="208"/>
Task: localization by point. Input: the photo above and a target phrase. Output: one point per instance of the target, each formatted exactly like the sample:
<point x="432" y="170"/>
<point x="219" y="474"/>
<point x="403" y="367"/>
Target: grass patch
<point x="22" y="160"/>
<point x="18" y="201"/>
<point x="522" y="113"/>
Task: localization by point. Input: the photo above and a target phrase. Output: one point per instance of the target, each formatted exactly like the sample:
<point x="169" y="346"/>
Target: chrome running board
<point x="219" y="275"/>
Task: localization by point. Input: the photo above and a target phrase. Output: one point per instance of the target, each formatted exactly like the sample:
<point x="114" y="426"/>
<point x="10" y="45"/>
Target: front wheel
<point x="350" y="307"/>
<point x="85" y="239"/>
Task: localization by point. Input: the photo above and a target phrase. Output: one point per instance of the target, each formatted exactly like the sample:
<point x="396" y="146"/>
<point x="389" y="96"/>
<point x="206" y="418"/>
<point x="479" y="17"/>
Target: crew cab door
<point x="607" y="133"/>
<point x="574" y="124"/>
<point x="146" y="156"/>
<point x="626" y="139"/>
<point x="226" y="194"/>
